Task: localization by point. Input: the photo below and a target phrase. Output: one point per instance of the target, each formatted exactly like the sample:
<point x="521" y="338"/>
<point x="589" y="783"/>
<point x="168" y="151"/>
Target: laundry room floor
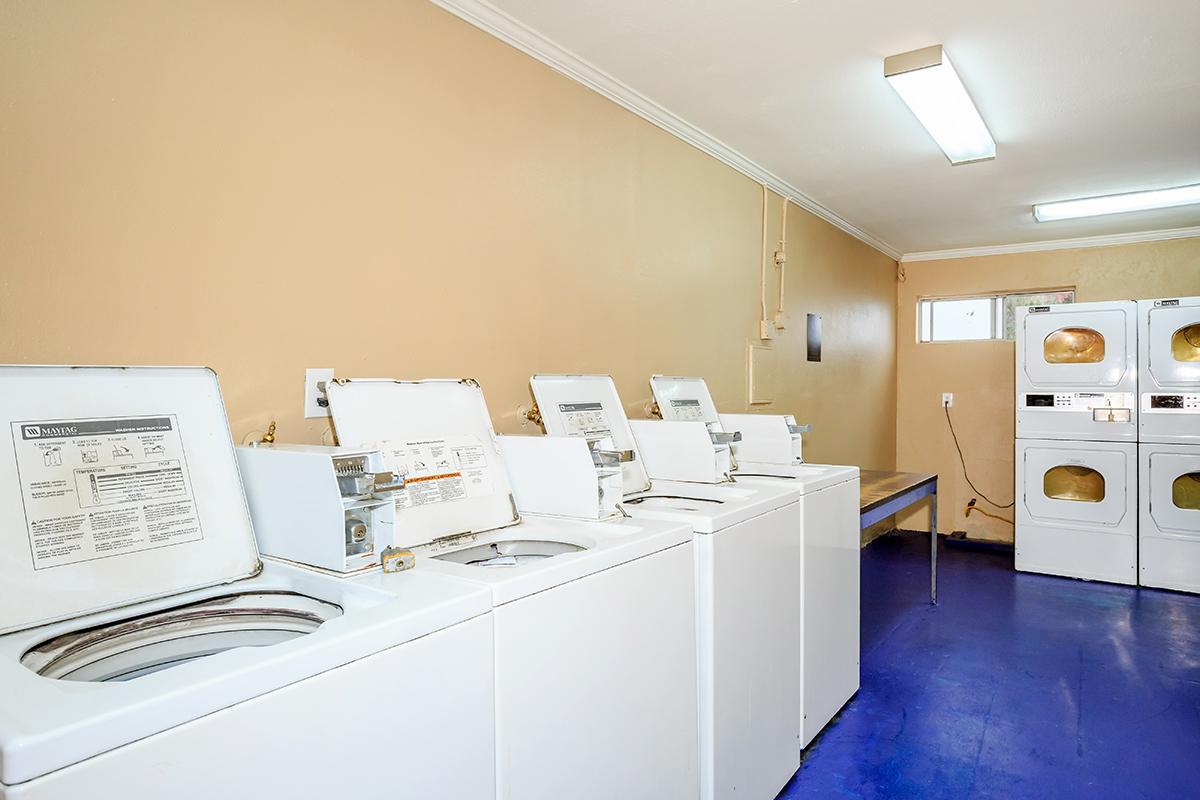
<point x="1014" y="686"/>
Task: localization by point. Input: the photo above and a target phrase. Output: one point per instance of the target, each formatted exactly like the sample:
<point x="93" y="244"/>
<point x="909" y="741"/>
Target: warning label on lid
<point x="439" y="470"/>
<point x="102" y="488"/>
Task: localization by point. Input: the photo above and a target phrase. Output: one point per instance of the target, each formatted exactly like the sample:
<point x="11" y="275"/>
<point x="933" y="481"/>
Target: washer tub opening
<point x="131" y="648"/>
<point x="672" y="502"/>
<point x="510" y="553"/>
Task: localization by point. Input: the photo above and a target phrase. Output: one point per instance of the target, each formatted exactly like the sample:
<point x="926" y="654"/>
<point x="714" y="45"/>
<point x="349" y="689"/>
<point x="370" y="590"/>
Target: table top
<point x="876" y="487"/>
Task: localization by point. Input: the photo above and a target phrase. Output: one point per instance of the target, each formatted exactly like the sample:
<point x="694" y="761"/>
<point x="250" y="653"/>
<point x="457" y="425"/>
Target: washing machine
<point x="1076" y="512"/>
<point x="595" y="639"/>
<point x="1169" y="377"/>
<point x="1169" y="516"/>
<point x="767" y="438"/>
<point x="747" y="561"/>
<point x="1077" y="372"/>
<point x="147" y="652"/>
<point x="829" y="530"/>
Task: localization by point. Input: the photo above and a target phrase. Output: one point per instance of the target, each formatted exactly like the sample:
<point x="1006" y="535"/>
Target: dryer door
<point x="1073" y="486"/>
<point x="1174" y="347"/>
<point x="1174" y="483"/>
<point x="1080" y="348"/>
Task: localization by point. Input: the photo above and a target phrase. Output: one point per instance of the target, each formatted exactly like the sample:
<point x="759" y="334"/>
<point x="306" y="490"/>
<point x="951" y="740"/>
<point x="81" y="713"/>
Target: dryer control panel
<point x="1079" y="401"/>
<point x="1187" y="403"/>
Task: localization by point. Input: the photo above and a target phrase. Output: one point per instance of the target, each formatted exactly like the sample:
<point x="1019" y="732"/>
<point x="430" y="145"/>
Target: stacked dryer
<point x="1076" y="450"/>
<point x="1169" y="443"/>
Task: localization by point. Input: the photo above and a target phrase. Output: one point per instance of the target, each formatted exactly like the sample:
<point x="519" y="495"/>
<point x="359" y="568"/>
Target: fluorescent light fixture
<point x="1117" y="203"/>
<point x="929" y="86"/>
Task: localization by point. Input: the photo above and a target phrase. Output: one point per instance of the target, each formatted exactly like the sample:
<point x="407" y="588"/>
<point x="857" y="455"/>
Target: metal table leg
<point x="933" y="544"/>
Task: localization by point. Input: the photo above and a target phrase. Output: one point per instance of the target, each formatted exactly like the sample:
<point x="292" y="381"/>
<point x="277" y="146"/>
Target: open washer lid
<point x="438" y="435"/>
<point x="681" y="398"/>
<point x="588" y="406"/>
<point x="117" y="485"/>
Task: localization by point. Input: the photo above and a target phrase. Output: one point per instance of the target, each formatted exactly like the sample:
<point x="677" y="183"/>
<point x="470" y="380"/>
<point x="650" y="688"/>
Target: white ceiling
<point x="1083" y="97"/>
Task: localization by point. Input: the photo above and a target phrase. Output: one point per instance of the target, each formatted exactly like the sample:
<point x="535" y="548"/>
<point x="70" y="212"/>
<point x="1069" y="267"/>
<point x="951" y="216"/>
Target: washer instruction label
<point x="585" y="419"/>
<point x="688" y="410"/>
<point x="101" y="488"/>
<point x="439" y="470"/>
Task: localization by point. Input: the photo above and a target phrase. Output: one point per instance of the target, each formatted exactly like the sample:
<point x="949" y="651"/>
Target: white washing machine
<point x="1169" y="530"/>
<point x="1076" y="512"/>
<point x="146" y="652"/>
<point x="747" y="559"/>
<point x="1077" y="371"/>
<point x="1169" y="362"/>
<point x="767" y="438"/>
<point x="595" y="672"/>
<point x="828" y="508"/>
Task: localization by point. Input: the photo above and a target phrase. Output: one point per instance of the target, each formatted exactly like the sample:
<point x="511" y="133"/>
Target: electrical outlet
<point x="315" y="402"/>
<point x="766" y="329"/>
<point x="947" y="399"/>
<point x="782" y="320"/>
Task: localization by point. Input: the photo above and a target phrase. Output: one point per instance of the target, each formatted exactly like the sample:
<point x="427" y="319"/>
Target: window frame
<point x="996" y="307"/>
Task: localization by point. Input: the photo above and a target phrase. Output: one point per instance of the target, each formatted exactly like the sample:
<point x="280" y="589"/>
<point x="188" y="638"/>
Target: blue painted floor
<point x="1015" y="686"/>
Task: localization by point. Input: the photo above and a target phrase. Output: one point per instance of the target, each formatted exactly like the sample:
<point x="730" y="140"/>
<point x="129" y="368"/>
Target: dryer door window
<point x="1073" y="346"/>
<point x="1074" y="483"/>
<point x="1185" y="343"/>
<point x="1173" y="345"/>
<point x="1185" y="491"/>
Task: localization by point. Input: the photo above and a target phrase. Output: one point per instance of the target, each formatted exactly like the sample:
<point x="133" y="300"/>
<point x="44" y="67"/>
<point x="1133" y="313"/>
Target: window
<point x="982" y="318"/>
<point x="1185" y="491"/>
<point x="1074" y="346"/>
<point x="1077" y="484"/>
<point x="1185" y="344"/>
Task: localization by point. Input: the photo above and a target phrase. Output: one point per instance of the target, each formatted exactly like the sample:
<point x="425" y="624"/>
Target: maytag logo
<point x="1162" y="303"/>
<point x="1038" y="309"/>
<point x="50" y="431"/>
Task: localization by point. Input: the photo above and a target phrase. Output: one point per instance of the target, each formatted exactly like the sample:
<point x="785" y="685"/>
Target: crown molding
<point x="513" y="32"/>
<point x="1054" y="244"/>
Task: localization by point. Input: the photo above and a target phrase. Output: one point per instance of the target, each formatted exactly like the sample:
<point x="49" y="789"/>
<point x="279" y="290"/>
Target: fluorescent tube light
<point x="1117" y="203"/>
<point x="932" y="90"/>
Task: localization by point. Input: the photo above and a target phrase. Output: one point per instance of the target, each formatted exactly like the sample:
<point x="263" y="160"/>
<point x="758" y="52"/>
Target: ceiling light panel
<point x="1117" y="203"/>
<point x="927" y="83"/>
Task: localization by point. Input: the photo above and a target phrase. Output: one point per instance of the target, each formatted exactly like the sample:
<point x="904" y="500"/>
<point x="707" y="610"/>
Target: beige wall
<point x="381" y="188"/>
<point x="982" y="374"/>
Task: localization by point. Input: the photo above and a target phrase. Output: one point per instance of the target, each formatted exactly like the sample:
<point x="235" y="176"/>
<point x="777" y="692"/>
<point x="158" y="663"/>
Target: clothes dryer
<point x="829" y="531"/>
<point x="147" y="652"/>
<point x="747" y="561"/>
<point x="1076" y="368"/>
<point x="1169" y="362"/>
<point x="595" y="637"/>
<point x="1076" y="512"/>
<point x="1169" y="516"/>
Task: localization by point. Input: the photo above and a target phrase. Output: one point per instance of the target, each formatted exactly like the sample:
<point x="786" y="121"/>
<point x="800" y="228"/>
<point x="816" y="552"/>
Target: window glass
<point x="1185" y="343"/>
<point x="983" y="318"/>
<point x="1185" y="491"/>
<point x="962" y="319"/>
<point x="1014" y="301"/>
<point x="1074" y="346"/>
<point x="1073" y="482"/>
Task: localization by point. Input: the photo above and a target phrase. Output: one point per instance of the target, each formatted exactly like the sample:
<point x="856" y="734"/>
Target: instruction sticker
<point x="439" y="470"/>
<point x="585" y="419"/>
<point x="687" y="410"/>
<point x="102" y="488"/>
